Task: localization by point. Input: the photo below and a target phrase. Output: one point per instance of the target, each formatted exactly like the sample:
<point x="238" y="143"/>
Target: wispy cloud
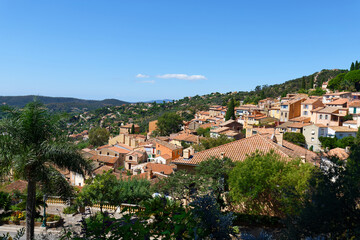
<point x="147" y="81"/>
<point x="142" y="75"/>
<point x="182" y="76"/>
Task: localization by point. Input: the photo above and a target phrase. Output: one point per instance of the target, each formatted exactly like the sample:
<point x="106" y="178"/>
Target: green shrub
<point x="70" y="210"/>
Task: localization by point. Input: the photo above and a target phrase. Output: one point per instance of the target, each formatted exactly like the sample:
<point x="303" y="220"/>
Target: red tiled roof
<point x="354" y="104"/>
<point x="240" y="149"/>
<point x="160" y="168"/>
<point x="339" y="153"/>
<point x="19" y="185"/>
<point x="340" y="101"/>
<point x="105" y="159"/>
<point x="118" y="149"/>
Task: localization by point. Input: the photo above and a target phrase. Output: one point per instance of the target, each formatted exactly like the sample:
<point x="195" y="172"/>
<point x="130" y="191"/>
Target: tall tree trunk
<point x="30" y="209"/>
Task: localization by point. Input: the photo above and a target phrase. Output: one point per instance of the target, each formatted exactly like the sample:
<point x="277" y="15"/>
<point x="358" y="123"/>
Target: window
<point x="340" y="135"/>
<point x="115" y="154"/>
<point x="107" y="153"/>
<point x="158" y="152"/>
<point x="326" y="117"/>
<point x="306" y="106"/>
<point x="305" y="113"/>
<point x="100" y="152"/>
<point x="320" y="117"/>
<point x="312" y="139"/>
<point x="130" y="158"/>
<point x="286" y="115"/>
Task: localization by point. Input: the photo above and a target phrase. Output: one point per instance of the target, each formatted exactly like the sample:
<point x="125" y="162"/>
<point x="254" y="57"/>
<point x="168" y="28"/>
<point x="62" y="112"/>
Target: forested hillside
<point x="61" y="104"/>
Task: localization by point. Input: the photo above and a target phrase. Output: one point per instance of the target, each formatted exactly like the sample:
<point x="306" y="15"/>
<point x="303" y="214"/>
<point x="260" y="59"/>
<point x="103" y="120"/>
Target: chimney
<point x="186" y="153"/>
<point x="347" y="149"/>
<point x="222" y="155"/>
<point x="279" y="138"/>
<point x="149" y="174"/>
<point x="303" y="159"/>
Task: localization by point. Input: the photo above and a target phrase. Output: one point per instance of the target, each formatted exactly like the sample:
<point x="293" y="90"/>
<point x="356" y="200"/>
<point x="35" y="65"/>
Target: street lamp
<point x="44" y="217"/>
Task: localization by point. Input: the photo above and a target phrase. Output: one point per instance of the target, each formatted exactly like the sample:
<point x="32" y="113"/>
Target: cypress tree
<point x="230" y="113"/>
<point x="303" y="84"/>
<point x="352" y="67"/>
<point x="357" y="65"/>
<point x="312" y="82"/>
<point x="133" y="129"/>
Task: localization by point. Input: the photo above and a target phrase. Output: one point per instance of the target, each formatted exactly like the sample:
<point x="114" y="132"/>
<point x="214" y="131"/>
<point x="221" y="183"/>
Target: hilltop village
<point x="272" y="124"/>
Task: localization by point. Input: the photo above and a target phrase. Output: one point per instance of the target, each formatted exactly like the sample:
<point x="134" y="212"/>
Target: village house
<point x="308" y="105"/>
<point x="132" y="140"/>
<point x="312" y="133"/>
<point x="186" y="138"/>
<point x="339" y="103"/>
<point x="274" y="112"/>
<point x="329" y="97"/>
<point x="240" y="149"/>
<point x="290" y="109"/>
<point x="354" y="109"/>
<point x="162" y="148"/>
<point x="351" y="124"/>
<point x="329" y="116"/>
<point x="341" y="131"/>
<point x="127" y="128"/>
<point x="217" y="110"/>
<point x="134" y="158"/>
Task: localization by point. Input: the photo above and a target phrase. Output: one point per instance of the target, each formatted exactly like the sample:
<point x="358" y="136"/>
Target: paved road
<point x="12" y="229"/>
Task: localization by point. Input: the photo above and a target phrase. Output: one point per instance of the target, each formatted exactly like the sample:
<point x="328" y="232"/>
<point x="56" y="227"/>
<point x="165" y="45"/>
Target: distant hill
<point x="62" y="104"/>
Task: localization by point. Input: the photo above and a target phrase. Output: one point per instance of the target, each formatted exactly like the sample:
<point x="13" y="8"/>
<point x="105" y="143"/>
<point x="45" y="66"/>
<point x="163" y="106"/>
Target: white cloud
<point x="142" y="75"/>
<point x="148" y="81"/>
<point x="182" y="76"/>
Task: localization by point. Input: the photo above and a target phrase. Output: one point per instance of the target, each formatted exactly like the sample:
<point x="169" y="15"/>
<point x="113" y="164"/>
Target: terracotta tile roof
<point x="186" y="137"/>
<point x="350" y="122"/>
<point x="208" y="125"/>
<point x="285" y="124"/>
<point x="19" y="185"/>
<point x="298" y="125"/>
<point x="168" y="145"/>
<point x="264" y="131"/>
<point x="338" y="152"/>
<point x="340" y="101"/>
<point x="138" y="153"/>
<point x="354" y="104"/>
<point x="228" y="122"/>
<point x="343" y="129"/>
<point x="309" y="101"/>
<point x="336" y="94"/>
<point x="105" y="159"/>
<point x="320" y="125"/>
<point x="104" y="146"/>
<point x="160" y="168"/>
<point x="220" y="129"/>
<point x="328" y="110"/>
<point x="118" y="149"/>
<point x="124" y="146"/>
<point x="300" y="119"/>
<point x="240" y="149"/>
<point x="317" y="109"/>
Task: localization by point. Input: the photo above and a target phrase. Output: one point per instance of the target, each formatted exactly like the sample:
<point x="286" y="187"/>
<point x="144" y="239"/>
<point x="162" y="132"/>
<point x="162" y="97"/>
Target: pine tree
<point x="312" y="82"/>
<point x="133" y="129"/>
<point x="352" y="67"/>
<point x="230" y="113"/>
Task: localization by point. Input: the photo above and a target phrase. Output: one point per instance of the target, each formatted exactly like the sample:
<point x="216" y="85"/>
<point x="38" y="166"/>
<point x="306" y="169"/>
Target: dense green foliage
<point x="268" y="184"/>
<point x="5" y="200"/>
<point x="296" y="138"/>
<point x="204" y="132"/>
<point x="160" y="219"/>
<point x="106" y="189"/>
<point x="317" y="92"/>
<point x="330" y="207"/>
<point x="169" y="123"/>
<point x="346" y="81"/>
<point x="209" y="142"/>
<point x="328" y="142"/>
<point x="98" y="136"/>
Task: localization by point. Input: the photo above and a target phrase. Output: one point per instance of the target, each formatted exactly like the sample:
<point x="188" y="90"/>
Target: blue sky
<point x="145" y="50"/>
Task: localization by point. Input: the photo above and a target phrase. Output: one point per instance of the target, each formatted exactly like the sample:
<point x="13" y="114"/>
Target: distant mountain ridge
<point x="60" y="103"/>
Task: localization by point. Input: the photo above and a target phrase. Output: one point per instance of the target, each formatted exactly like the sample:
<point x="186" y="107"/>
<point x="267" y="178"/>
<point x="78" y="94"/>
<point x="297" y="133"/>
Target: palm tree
<point x="32" y="147"/>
